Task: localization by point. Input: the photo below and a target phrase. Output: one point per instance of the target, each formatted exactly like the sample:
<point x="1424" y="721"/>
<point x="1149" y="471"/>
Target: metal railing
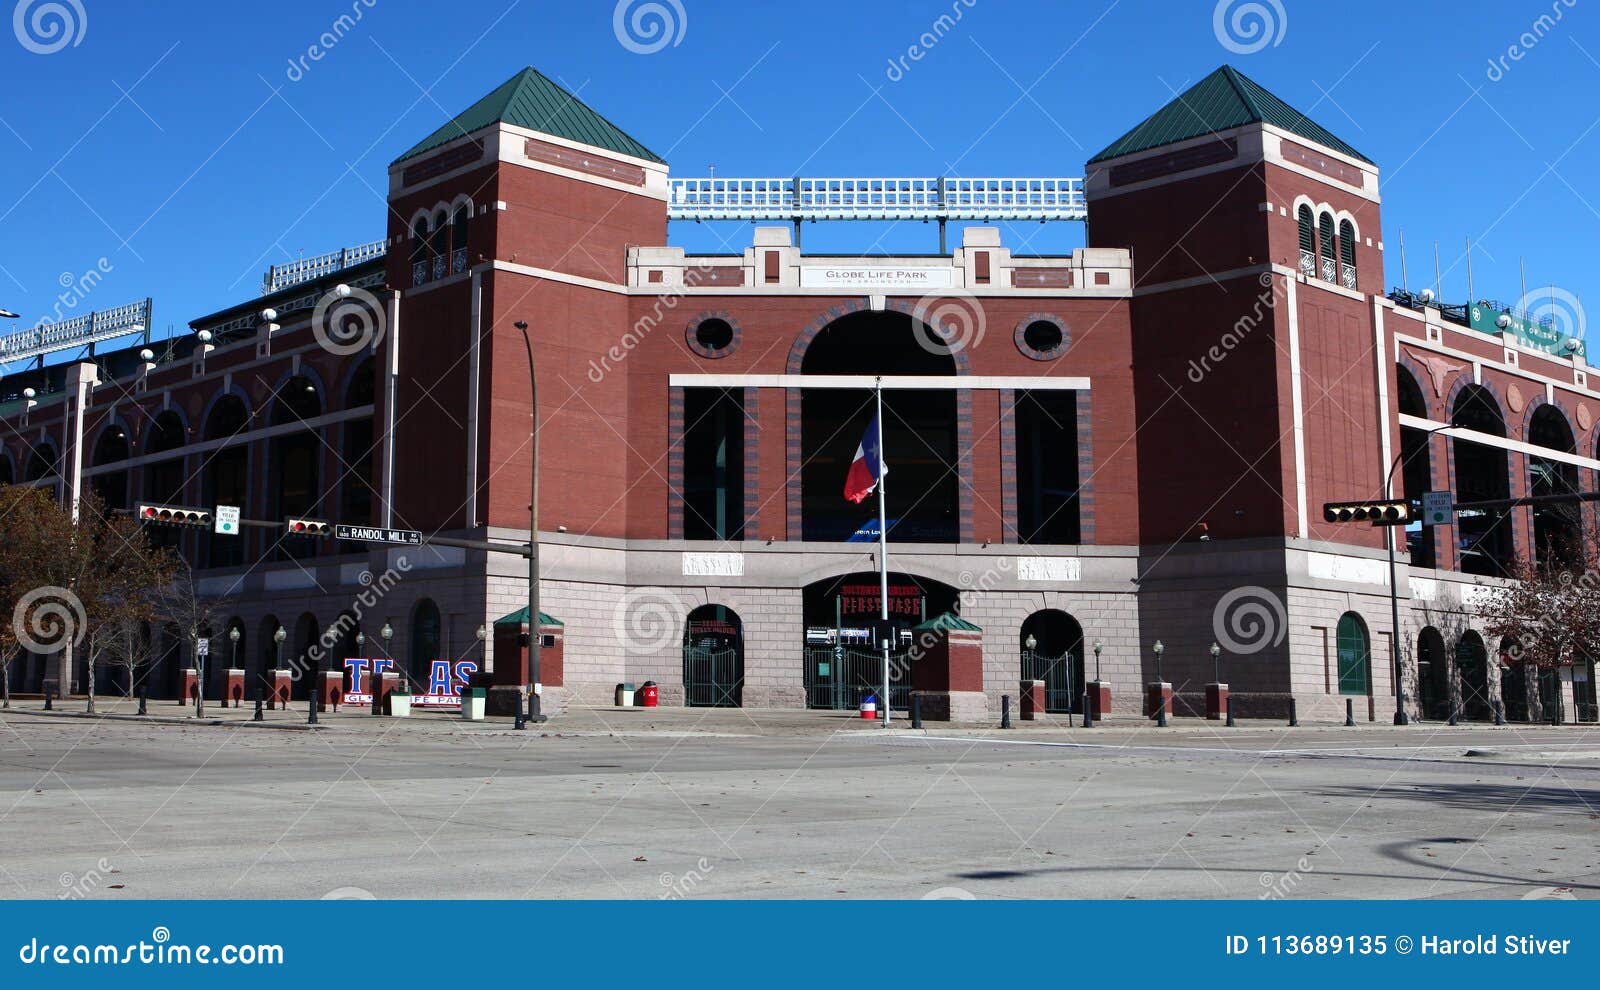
<point x="306" y="269"/>
<point x="864" y="198"/>
<point x="78" y="331"/>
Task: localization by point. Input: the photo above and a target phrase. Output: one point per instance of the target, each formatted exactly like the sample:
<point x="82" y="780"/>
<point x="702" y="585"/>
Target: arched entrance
<point x="1472" y="661"/>
<point x="1433" y="675"/>
<point x="1052" y="651"/>
<point x="919" y="432"/>
<point x="713" y="658"/>
<point x="1556" y="540"/>
<point x="1514" y="676"/>
<point x="841" y="667"/>
<point x="1416" y="475"/>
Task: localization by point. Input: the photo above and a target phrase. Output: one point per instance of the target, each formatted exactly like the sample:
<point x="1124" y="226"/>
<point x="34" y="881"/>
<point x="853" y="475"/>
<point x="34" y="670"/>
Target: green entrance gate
<point x="838" y="677"/>
<point x="1061" y="689"/>
<point x="712" y="678"/>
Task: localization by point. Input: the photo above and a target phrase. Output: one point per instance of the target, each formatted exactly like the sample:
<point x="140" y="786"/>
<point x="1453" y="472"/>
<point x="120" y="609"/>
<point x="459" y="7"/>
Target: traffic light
<point x="1381" y="512"/>
<point x="171" y="515"/>
<point x="309" y="527"/>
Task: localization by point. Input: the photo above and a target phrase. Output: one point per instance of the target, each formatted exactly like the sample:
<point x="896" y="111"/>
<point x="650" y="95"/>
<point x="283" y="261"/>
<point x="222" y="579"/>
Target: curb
<point x="205" y="723"/>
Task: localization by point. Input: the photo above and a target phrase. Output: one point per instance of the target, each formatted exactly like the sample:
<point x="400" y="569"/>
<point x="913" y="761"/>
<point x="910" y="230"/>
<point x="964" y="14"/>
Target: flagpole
<point x="883" y="553"/>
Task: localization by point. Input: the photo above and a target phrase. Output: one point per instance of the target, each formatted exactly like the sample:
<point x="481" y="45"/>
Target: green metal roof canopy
<point x="947" y="622"/>
<point x="520" y="617"/>
<point x="530" y="99"/>
<point x="1221" y="101"/>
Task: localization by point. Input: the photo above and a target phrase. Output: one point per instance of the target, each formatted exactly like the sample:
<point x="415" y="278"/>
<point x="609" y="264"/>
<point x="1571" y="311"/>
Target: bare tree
<point x="180" y="602"/>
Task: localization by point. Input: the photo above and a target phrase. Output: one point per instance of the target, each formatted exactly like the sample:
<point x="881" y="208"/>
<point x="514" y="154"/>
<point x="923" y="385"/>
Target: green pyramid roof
<point x="520" y="618"/>
<point x="948" y="621"/>
<point x="530" y="99"/>
<point x="1222" y="100"/>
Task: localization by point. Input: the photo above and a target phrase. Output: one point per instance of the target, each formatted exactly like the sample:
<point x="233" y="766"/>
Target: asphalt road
<point x="797" y="808"/>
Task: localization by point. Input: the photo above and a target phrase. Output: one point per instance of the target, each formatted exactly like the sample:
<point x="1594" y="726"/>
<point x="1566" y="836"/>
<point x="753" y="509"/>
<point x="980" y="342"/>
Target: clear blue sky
<point x="171" y="142"/>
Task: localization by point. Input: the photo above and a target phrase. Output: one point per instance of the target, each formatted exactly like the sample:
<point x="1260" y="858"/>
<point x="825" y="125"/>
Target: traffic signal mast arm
<point x="173" y="515"/>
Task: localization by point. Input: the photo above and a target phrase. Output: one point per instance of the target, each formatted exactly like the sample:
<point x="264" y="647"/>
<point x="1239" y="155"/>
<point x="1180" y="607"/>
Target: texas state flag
<point x="867" y="467"/>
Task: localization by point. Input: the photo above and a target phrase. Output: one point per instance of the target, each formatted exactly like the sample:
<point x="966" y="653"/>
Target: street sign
<point x="227" y="520"/>
<point x="378" y="534"/>
<point x="202" y="648"/>
<point x="1438" y="508"/>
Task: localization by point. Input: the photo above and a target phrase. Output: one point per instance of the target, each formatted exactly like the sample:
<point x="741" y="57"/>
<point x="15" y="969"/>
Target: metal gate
<point x="712" y="678"/>
<point x="838" y="677"/>
<point x="1060" y="687"/>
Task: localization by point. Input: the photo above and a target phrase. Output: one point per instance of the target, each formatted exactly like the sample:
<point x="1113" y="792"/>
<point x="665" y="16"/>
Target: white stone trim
<point x="1490" y="440"/>
<point x="891" y="382"/>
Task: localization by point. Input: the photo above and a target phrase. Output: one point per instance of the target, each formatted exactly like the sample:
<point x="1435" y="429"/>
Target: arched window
<point x="1355" y="655"/>
<point x="458" y="238"/>
<point x="1433" y="675"/>
<point x="41" y="462"/>
<point x="438" y="245"/>
<point x="1325" y="236"/>
<point x="425" y="641"/>
<point x="1485" y="537"/>
<point x="419" y="251"/>
<point x="1347" y="254"/>
<point x="1308" y="241"/>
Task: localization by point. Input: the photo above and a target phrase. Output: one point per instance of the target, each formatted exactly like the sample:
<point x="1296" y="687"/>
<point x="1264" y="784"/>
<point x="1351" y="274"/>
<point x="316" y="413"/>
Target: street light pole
<point x="278" y="637"/>
<point x="1400" y="716"/>
<point x="535" y="639"/>
<point x="1161" y="688"/>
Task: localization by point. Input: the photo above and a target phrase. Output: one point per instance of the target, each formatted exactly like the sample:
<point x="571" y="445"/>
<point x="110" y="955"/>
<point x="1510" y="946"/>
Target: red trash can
<point x="650" y="694"/>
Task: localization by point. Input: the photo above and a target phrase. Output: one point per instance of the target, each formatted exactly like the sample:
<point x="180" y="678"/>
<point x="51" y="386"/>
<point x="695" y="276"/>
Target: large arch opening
<point x="841" y="667"/>
<point x="113" y="447"/>
<point x="1472" y="662"/>
<point x="1487" y="546"/>
<point x="1416" y="473"/>
<point x="713" y="464"/>
<point x="1556" y="528"/>
<point x="1433" y="675"/>
<point x="356" y="497"/>
<point x="226" y="477"/>
<point x="919" y="432"/>
<point x="426" y="638"/>
<point x="296" y="461"/>
<point x="164" y="480"/>
<point x="713" y="658"/>
<point x="306" y="635"/>
<point x="1052" y="651"/>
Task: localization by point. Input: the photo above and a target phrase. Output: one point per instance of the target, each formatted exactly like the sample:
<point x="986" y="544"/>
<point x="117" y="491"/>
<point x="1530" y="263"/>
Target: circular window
<point x="713" y="335"/>
<point x="1042" y="338"/>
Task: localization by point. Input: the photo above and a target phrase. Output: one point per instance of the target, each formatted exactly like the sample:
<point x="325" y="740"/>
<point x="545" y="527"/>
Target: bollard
<point x="144" y="697"/>
<point x="1088" y="715"/>
<point x="259" y="694"/>
<point x="47" y="706"/>
<point x="1005" y="711"/>
<point x="1499" y="713"/>
<point x="1349" y="712"/>
<point x="1230" y="723"/>
<point x="1454" y="715"/>
<point x="916" y="710"/>
<point x="518" y="722"/>
<point x="312" y="703"/>
<point x="1294" y="719"/>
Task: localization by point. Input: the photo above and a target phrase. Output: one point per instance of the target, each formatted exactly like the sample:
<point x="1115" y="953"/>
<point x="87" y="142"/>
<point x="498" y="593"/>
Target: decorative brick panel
<point x="675" y="400"/>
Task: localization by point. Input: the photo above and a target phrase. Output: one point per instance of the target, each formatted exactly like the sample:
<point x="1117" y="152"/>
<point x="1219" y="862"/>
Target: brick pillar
<point x="771" y="518"/>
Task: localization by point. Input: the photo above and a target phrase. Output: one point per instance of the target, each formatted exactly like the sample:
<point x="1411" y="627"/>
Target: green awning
<point x="947" y="622"/>
<point x="520" y="617"/>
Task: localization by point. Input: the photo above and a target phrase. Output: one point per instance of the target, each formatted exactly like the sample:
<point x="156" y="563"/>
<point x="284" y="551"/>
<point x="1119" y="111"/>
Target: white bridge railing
<point x="306" y="269"/>
<point x="77" y="331"/>
<point x="916" y="198"/>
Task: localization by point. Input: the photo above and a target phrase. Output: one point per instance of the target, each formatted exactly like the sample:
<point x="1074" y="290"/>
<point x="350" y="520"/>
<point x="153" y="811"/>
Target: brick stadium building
<point x="1088" y="453"/>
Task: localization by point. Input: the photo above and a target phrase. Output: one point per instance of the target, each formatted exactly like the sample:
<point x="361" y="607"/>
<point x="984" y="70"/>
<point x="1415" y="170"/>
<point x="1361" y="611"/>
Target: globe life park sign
<point x="446" y="678"/>
<point x="875" y="277"/>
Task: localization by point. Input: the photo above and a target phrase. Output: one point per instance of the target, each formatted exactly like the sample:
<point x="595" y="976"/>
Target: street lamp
<point x="1216" y="670"/>
<point x="1098" y="646"/>
<point x="313" y="696"/>
<point x="1400" y="716"/>
<point x="1161" y="688"/>
<point x="535" y="640"/>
